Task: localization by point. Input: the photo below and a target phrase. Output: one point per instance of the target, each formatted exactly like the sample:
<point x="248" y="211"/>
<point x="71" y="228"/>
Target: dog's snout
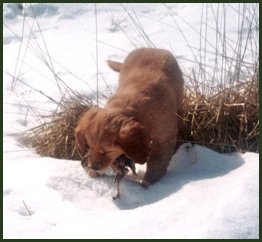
<point x="84" y="163"/>
<point x="84" y="160"/>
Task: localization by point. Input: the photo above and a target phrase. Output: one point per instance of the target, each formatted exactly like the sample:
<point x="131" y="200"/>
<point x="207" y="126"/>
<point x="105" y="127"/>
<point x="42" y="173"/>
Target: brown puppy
<point x="140" y="120"/>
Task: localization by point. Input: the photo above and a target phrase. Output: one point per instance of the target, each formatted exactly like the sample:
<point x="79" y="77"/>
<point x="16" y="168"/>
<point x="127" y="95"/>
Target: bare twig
<point x="27" y="209"/>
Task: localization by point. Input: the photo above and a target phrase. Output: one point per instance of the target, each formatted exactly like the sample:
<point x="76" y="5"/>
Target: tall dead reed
<point x="221" y="104"/>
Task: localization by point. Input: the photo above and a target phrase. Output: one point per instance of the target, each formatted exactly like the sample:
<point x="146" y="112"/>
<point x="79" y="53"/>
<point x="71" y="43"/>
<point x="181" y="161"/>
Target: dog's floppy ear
<point x="134" y="141"/>
<point x="116" y="66"/>
<point x="80" y="141"/>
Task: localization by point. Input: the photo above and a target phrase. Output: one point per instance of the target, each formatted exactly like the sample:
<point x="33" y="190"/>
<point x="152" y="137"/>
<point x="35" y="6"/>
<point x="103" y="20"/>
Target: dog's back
<point x="148" y="68"/>
<point x="151" y="89"/>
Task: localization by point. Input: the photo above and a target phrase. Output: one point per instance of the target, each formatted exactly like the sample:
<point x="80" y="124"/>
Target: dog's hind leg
<point x="155" y="171"/>
<point x="158" y="162"/>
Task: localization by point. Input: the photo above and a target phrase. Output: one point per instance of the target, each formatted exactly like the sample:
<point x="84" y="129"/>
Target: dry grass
<point x="227" y="121"/>
<point x="55" y="137"/>
<point x="222" y="98"/>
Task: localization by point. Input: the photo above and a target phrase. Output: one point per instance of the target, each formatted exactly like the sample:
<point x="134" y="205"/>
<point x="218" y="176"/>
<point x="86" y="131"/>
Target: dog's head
<point x="108" y="135"/>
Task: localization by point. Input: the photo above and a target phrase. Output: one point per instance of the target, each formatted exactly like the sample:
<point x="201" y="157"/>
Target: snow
<point x="204" y="195"/>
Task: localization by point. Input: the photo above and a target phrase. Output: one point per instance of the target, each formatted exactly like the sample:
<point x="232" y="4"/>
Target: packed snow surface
<point x="203" y="195"/>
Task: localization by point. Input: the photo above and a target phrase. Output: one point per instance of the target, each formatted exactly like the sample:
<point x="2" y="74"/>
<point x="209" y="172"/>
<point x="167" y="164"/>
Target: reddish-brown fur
<point x="140" y="120"/>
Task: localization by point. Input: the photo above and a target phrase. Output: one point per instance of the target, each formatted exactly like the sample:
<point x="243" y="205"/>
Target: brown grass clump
<point x="226" y="121"/>
<point x="55" y="138"/>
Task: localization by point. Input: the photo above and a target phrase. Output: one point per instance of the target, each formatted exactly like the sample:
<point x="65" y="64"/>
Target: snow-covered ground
<point x="204" y="195"/>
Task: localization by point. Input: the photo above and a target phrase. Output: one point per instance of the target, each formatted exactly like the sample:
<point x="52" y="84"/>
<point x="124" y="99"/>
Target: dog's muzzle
<point x="84" y="161"/>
